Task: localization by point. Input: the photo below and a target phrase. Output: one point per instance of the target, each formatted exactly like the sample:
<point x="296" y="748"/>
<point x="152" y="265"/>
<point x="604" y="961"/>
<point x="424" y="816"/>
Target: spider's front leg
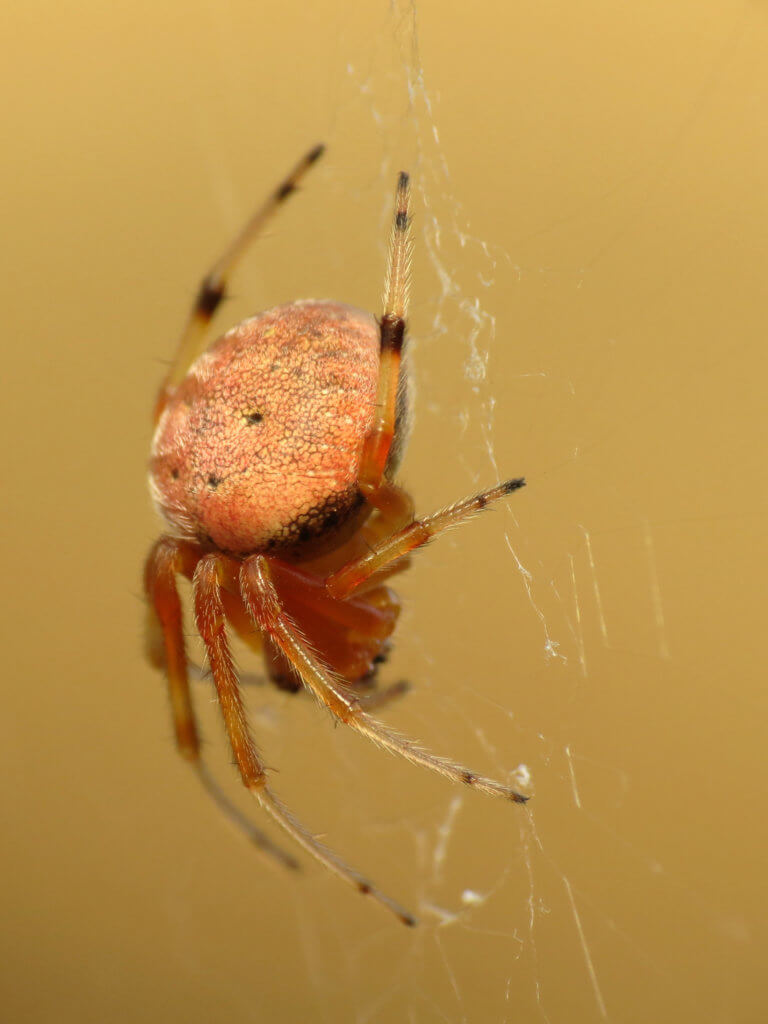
<point x="211" y="573"/>
<point x="263" y="603"/>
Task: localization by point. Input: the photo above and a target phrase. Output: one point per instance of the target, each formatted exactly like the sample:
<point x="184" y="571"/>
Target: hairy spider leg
<point x="377" y="490"/>
<point x="211" y="573"/>
<point x="351" y="636"/>
<point x="341" y="583"/>
<point x="263" y="603"/>
<point x="167" y="559"/>
<point x="213" y="287"/>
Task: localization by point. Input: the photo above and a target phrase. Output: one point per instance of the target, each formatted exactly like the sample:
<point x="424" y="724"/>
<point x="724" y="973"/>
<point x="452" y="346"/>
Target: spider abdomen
<point x="259" y="446"/>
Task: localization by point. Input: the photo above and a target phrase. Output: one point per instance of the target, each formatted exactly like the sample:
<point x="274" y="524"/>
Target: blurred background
<point x="589" y="310"/>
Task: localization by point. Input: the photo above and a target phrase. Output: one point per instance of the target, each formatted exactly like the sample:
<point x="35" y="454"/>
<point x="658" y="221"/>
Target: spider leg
<point x="378" y="442"/>
<point x="327" y="857"/>
<point x="210" y="573"/>
<point x="164" y="562"/>
<point x="263" y="603"/>
<point x="349" y="577"/>
<point x="166" y="559"/>
<point x="214" y="285"/>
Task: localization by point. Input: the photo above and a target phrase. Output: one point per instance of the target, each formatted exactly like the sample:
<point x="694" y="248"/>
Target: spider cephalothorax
<point x="272" y="463"/>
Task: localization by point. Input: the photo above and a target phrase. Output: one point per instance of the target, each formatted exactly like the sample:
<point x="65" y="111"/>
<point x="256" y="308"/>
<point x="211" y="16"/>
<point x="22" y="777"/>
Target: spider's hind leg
<point x="370" y="697"/>
<point x="263" y="602"/>
<point x="211" y="573"/>
<point x="213" y="287"/>
<point x="381" y="441"/>
<point x="351" y="636"/>
<point x="167" y="649"/>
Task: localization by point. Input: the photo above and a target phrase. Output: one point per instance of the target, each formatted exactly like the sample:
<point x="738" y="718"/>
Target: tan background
<point x="590" y="310"/>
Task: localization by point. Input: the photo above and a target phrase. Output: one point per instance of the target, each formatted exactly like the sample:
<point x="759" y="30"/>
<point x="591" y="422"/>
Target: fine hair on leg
<point x="263" y="603"/>
<point x="211" y="622"/>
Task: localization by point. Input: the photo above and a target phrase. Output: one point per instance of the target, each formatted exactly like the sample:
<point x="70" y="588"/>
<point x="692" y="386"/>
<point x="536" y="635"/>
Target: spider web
<point x="513" y="916"/>
<point x="457" y="280"/>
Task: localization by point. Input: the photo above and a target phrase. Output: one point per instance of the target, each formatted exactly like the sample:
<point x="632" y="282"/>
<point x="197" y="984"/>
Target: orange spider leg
<point x="349" y="636"/>
<point x="166" y="636"/>
<point x="349" y="577"/>
<point x="211" y="572"/>
<point x="213" y="287"/>
<point x="373" y="616"/>
<point x="240" y="621"/>
<point x="168" y="558"/>
<point x="352" y="635"/>
<point x="262" y="601"/>
<point x="378" y="491"/>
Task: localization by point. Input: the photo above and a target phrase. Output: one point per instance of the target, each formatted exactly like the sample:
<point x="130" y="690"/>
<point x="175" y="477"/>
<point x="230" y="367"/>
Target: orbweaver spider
<point x="273" y="462"/>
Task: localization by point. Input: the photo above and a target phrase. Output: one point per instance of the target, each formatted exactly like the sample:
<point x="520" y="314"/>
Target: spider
<point x="273" y="464"/>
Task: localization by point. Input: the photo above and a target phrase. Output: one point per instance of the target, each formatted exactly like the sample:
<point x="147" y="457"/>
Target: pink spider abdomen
<point x="258" y="447"/>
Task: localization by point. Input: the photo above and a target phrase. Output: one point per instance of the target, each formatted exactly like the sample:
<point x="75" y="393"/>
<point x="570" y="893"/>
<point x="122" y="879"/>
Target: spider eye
<point x="254" y="417"/>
